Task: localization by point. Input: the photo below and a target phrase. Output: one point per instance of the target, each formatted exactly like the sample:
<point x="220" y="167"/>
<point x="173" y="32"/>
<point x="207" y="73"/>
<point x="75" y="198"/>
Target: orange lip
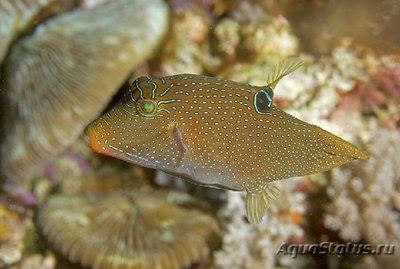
<point x="89" y="136"/>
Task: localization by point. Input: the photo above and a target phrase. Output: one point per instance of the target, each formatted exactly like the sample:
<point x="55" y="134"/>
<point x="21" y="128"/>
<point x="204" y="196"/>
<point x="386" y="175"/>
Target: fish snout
<point x="90" y="136"/>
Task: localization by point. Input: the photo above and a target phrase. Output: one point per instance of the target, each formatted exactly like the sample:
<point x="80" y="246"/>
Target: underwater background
<point x="64" y="63"/>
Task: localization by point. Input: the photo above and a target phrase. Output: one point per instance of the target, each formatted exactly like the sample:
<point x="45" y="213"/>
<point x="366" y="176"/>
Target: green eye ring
<point x="147" y="107"/>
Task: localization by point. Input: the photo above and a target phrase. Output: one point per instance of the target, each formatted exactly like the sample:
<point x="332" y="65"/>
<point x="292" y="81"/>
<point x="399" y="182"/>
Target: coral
<point x="379" y="94"/>
<point x="12" y="233"/>
<point x="388" y="80"/>
<point x="365" y="200"/>
<point x="316" y="88"/>
<point x="18" y="15"/>
<point x="38" y="261"/>
<point x="104" y="179"/>
<point x="263" y="43"/>
<point x="185" y="50"/>
<point x="131" y="229"/>
<point x="378" y="262"/>
<point x="61" y="77"/>
<point x="254" y="246"/>
<point x="91" y="3"/>
<point x="202" y="42"/>
<point x="227" y="36"/>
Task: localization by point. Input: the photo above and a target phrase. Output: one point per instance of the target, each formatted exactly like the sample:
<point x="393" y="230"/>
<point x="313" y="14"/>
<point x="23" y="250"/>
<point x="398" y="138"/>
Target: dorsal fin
<point x="282" y="69"/>
<point x="257" y="203"/>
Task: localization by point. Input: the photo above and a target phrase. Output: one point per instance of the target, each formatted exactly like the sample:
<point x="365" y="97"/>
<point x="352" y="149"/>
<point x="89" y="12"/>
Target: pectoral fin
<point x="257" y="203"/>
<point x="184" y="158"/>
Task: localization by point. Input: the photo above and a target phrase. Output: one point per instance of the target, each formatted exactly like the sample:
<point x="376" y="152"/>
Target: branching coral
<point x="263" y="42"/>
<point x="254" y="246"/>
<point x="185" y="50"/>
<point x="365" y="201"/>
<point x="324" y="79"/>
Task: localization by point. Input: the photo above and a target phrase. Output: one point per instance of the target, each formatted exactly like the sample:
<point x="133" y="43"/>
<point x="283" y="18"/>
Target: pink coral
<point x="388" y="80"/>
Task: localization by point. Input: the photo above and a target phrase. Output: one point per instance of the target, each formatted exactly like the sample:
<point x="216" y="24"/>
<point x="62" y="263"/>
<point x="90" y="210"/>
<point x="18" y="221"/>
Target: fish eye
<point x="263" y="100"/>
<point x="147" y="107"/>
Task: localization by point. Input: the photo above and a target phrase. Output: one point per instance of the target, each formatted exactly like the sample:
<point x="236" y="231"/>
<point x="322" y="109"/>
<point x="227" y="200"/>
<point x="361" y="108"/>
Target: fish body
<point x="217" y="132"/>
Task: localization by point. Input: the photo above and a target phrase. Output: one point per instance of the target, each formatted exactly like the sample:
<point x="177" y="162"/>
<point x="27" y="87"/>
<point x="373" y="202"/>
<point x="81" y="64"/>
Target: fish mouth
<point x="357" y="155"/>
<point x="89" y="137"/>
<point x="347" y="151"/>
<point x="361" y="154"/>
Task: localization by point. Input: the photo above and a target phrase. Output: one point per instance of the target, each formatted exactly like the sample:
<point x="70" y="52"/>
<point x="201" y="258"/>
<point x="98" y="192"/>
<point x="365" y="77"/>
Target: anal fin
<point x="257" y="203"/>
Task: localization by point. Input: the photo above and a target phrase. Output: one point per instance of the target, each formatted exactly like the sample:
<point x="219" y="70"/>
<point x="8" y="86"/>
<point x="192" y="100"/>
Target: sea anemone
<point x="135" y="229"/>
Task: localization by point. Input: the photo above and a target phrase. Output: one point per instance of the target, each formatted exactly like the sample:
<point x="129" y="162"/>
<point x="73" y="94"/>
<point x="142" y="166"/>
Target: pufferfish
<point x="219" y="133"/>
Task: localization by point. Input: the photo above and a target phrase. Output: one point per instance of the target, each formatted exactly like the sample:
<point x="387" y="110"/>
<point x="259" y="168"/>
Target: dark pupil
<point x="262" y="101"/>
